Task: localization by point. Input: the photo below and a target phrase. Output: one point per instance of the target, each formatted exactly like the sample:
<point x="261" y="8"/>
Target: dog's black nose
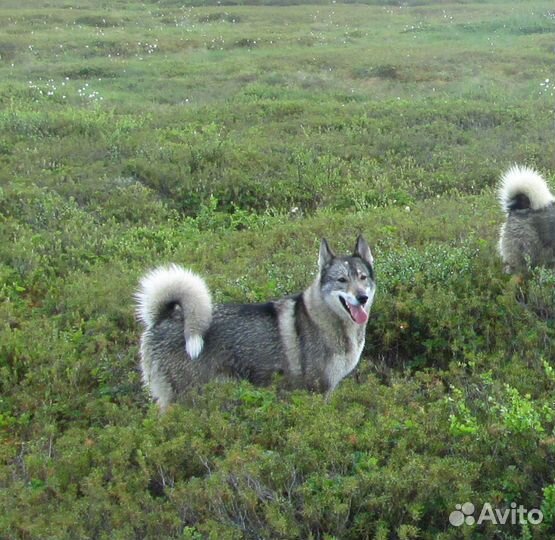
<point x="362" y="299"/>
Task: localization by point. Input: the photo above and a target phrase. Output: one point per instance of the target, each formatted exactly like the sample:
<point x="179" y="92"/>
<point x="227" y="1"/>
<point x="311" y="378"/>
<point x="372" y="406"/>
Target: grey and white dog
<point x="313" y="339"/>
<point x="528" y="236"/>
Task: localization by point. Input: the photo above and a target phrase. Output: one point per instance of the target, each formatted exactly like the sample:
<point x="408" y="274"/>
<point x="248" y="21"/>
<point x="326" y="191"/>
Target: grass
<point x="230" y="138"/>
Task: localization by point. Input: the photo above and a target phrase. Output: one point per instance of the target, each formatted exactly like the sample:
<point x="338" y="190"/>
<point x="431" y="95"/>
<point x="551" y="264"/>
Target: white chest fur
<point x="342" y="364"/>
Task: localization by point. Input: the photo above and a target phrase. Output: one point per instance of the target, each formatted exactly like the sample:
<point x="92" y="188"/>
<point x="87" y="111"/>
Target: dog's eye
<point x="342" y="280"/>
<point x="363" y="277"/>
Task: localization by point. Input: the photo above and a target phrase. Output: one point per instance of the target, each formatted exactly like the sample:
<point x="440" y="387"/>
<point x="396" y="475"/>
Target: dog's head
<point x="347" y="283"/>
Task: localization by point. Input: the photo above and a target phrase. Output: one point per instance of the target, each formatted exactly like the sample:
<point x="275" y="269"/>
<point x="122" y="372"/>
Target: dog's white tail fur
<point x="524" y="181"/>
<point x="166" y="285"/>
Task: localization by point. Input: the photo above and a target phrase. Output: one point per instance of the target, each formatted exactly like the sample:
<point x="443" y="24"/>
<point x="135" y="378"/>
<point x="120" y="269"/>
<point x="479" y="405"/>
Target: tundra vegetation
<point x="230" y="138"/>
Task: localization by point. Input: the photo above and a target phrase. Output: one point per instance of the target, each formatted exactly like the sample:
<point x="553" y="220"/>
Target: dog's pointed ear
<point x="326" y="255"/>
<point x="362" y="250"/>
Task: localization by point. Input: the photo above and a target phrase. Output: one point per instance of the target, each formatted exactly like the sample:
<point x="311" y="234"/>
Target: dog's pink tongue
<point x="359" y="315"/>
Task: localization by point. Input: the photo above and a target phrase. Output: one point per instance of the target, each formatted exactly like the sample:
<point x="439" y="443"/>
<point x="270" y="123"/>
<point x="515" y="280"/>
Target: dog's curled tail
<point x="523" y="188"/>
<point x="162" y="288"/>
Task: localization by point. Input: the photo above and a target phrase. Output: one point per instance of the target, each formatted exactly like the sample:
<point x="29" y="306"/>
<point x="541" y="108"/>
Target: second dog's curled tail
<point x="523" y="188"/>
<point x="166" y="286"/>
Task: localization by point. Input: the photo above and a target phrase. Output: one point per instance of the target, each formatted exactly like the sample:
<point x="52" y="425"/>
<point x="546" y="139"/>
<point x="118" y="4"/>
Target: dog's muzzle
<point x="362" y="299"/>
<point x="355" y="307"/>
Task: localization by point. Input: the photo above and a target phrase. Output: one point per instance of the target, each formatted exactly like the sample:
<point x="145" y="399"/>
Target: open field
<point x="230" y="139"/>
